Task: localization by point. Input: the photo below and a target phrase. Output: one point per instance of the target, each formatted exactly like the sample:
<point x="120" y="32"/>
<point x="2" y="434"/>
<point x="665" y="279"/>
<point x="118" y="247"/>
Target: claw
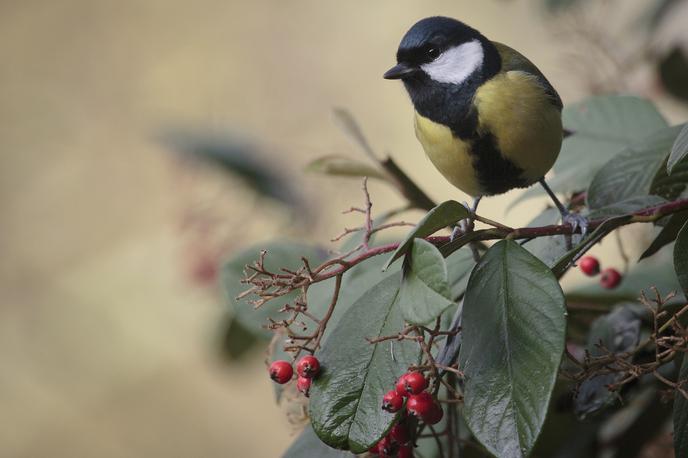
<point x="577" y="221"/>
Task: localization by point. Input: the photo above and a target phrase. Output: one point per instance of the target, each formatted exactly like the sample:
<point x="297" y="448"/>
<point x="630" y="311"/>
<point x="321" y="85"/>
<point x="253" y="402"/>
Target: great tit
<point x="486" y="117"/>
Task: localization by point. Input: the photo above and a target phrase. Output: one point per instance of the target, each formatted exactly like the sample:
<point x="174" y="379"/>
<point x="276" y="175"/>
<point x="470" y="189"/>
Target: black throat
<point x="452" y="104"/>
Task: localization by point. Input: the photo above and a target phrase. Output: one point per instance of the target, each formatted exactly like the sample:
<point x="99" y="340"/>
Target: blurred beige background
<point x="107" y="346"/>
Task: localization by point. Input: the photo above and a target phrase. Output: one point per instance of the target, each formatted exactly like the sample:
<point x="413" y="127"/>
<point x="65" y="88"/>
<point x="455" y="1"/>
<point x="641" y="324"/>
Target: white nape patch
<point x="456" y="64"/>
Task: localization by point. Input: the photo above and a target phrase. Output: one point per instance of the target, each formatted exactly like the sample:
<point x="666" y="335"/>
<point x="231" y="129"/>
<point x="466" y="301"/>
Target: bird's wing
<point x="513" y="60"/>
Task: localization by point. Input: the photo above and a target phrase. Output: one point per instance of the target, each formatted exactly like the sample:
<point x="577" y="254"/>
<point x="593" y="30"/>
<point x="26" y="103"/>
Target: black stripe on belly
<point x="496" y="174"/>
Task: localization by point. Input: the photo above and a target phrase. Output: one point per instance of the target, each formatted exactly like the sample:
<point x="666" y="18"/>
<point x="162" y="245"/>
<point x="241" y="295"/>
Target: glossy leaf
<point x="345" y="398"/>
<point x="443" y="215"/>
<point x="681" y="414"/>
<point x="631" y="173"/>
<point x="681" y="258"/>
<point x="671" y="186"/>
<point x="616" y="332"/>
<point x="514" y="324"/>
<point x="309" y="445"/>
<point x="279" y="254"/>
<point x="459" y="266"/>
<point x="343" y="166"/>
<point x="424" y="292"/>
<point x="667" y="235"/>
<point x="680" y="149"/>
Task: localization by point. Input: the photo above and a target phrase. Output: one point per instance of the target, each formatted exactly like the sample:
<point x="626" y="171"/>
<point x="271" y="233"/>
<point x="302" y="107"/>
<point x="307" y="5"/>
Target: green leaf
<point x="237" y="157"/>
<point x="667" y="235"/>
<point x="671" y="186"/>
<point x="280" y="254"/>
<point x="343" y="166"/>
<point x="681" y="258"/>
<point x="308" y="445"/>
<point x="345" y="398"/>
<point x="443" y="215"/>
<point x="459" y="266"/>
<point x="681" y="415"/>
<point x="237" y="341"/>
<point x="602" y="126"/>
<point x="617" y="332"/>
<point x="631" y="173"/>
<point x="627" y="206"/>
<point x="424" y="292"/>
<point x="514" y="324"/>
<point x="680" y="149"/>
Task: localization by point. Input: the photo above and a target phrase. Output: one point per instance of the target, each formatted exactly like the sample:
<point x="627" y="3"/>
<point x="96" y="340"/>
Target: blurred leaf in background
<point x="237" y="157"/>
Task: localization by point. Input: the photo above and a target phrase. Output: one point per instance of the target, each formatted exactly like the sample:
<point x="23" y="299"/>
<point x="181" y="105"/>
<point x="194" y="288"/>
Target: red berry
<point x="308" y="366"/>
<point x="414" y="382"/>
<point x="405" y="451"/>
<point x="610" y="278"/>
<point x="399" y="434"/>
<point x="375" y="449"/>
<point x="589" y="265"/>
<point x="392" y="401"/>
<point x="303" y="384"/>
<point x="435" y="415"/>
<point x="420" y="404"/>
<point x="281" y="372"/>
<point x="386" y="447"/>
<point x="401" y="385"/>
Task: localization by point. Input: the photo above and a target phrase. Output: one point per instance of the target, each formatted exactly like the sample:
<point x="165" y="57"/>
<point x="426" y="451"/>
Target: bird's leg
<point x="574" y="219"/>
<point x="467" y="225"/>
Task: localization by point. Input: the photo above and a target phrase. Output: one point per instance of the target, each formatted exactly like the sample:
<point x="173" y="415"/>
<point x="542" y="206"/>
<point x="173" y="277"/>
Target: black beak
<point x="399" y="71"/>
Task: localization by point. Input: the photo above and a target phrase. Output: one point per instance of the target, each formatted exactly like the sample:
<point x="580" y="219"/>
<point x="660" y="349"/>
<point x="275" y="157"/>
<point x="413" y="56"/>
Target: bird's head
<point x="443" y="50"/>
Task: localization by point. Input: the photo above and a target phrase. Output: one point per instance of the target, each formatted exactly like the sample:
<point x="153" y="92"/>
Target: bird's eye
<point x="433" y="52"/>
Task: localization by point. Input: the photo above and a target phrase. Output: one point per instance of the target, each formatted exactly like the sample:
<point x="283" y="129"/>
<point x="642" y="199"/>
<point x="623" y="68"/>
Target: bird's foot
<point x="577" y="222"/>
<point x="464" y="226"/>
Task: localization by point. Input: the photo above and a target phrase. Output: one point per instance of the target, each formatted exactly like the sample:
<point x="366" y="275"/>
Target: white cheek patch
<point x="456" y="64"/>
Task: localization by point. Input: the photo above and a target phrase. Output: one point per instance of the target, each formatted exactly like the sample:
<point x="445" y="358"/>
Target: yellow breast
<point x="449" y="154"/>
<point x="516" y="110"/>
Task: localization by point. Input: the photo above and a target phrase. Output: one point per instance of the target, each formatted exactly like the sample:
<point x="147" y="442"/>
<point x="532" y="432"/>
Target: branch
<point x="327" y="270"/>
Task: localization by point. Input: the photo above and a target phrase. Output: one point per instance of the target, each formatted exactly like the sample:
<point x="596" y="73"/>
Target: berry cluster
<point x="307" y="368"/>
<point x="590" y="266"/>
<point x="419" y="405"/>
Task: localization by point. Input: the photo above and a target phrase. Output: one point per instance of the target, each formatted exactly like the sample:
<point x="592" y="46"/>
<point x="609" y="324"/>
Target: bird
<point x="486" y="116"/>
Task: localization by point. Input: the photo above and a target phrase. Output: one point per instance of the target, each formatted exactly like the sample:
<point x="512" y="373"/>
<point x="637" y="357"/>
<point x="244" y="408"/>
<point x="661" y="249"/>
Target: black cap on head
<point x="431" y="36"/>
<point x="428" y="38"/>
